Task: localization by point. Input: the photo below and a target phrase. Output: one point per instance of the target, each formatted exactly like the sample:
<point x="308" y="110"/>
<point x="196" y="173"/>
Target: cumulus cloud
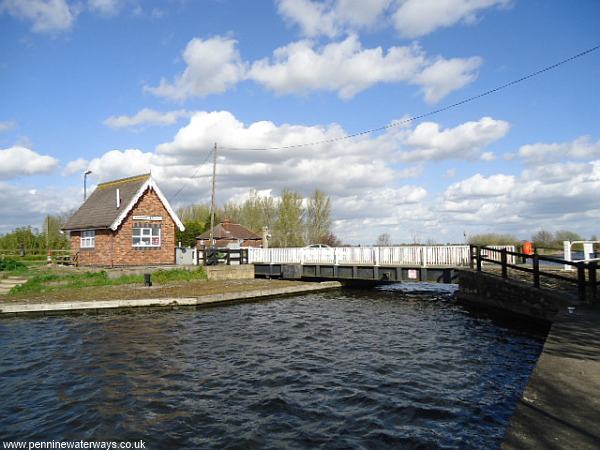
<point x="21" y="205"/>
<point x="347" y="68"/>
<point x="212" y="66"/>
<point x="105" y="7"/>
<point x="8" y="125"/>
<point x="120" y="164"/>
<point x="447" y="75"/>
<point x="580" y="148"/>
<point x="75" y="166"/>
<point x="416" y="18"/>
<point x="480" y="186"/>
<point x="16" y="161"/>
<point x="550" y="196"/>
<point x="45" y="15"/>
<point x="329" y="18"/>
<point x="411" y="18"/>
<point x="146" y="117"/>
<point x="428" y="142"/>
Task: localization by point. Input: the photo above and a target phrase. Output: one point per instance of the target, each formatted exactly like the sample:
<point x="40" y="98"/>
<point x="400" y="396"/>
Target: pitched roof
<point x="228" y="230"/>
<point x="100" y="210"/>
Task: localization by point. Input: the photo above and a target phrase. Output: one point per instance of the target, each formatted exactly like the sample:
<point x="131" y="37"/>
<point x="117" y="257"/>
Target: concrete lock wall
<point x="487" y="290"/>
<point x="240" y="272"/>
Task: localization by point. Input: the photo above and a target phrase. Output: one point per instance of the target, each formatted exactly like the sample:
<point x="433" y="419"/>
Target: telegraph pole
<point x="212" y="199"/>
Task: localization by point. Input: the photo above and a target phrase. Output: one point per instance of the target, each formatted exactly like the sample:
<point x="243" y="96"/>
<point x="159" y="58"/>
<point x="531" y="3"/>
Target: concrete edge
<point x="96" y="305"/>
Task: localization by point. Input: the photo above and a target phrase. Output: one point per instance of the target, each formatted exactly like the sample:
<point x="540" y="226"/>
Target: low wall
<point x="491" y="291"/>
<point x="241" y="272"/>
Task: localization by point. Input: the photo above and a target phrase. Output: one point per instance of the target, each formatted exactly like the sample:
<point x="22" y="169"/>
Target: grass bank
<point x="52" y="282"/>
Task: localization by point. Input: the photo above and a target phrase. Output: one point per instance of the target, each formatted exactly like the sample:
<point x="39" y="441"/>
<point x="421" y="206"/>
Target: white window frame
<point x="146" y="237"/>
<point x="88" y="239"/>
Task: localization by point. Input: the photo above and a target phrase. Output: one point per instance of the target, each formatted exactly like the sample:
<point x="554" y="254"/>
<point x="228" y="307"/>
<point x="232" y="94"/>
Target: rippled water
<point x="341" y="369"/>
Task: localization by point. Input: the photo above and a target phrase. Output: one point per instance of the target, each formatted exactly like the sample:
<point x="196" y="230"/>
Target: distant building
<point x="230" y="234"/>
<point x="126" y="222"/>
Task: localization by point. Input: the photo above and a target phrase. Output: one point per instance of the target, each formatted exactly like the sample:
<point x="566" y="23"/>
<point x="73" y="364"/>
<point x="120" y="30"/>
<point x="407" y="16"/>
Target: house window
<point x="88" y="239"/>
<point x="146" y="235"/>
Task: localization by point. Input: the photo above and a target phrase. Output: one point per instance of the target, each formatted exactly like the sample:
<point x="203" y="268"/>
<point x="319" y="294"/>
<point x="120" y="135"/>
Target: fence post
<point x="536" y="270"/>
<point x="471" y="265"/>
<point x="581" y="280"/>
<point x="593" y="266"/>
<point x="503" y="260"/>
<point x="478" y="255"/>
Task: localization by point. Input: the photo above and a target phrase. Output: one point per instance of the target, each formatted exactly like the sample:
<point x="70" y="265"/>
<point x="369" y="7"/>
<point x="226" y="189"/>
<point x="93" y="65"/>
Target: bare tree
<point x="384" y="240"/>
<point x="543" y="239"/>
<point x="318" y="218"/>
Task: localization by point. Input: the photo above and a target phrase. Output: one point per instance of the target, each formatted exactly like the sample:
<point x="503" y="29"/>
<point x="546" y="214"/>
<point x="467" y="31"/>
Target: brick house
<point x="126" y="222"/>
<point x="227" y="233"/>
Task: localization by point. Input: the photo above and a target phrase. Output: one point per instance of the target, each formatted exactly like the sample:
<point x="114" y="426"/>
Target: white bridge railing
<point x="410" y="255"/>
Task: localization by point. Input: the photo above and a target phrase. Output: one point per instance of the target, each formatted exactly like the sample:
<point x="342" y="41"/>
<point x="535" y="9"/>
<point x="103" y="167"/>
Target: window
<point x="88" y="239"/>
<point x="146" y="235"/>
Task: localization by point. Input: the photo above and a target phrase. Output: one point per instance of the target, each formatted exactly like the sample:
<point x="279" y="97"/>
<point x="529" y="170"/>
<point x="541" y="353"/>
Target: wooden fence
<point x="587" y="286"/>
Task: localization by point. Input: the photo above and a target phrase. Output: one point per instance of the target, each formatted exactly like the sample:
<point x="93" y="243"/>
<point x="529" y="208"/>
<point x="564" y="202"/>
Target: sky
<point x="124" y="87"/>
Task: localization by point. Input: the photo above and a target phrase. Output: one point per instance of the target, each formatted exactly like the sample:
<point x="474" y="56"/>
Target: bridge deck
<point x="358" y="272"/>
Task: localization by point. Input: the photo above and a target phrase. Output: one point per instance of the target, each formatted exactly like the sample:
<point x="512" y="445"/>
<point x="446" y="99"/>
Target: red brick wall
<point x="116" y="248"/>
<point x="100" y="255"/>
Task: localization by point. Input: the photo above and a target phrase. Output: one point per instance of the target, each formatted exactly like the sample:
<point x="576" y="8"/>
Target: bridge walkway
<point x="560" y="407"/>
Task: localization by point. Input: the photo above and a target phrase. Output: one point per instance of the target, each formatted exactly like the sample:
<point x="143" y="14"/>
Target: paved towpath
<point x="54" y="306"/>
<point x="560" y="407"/>
<point x="6" y="284"/>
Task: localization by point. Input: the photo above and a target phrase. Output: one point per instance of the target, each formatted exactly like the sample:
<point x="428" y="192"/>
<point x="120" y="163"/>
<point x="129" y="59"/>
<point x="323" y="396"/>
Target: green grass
<point x="48" y="282"/>
<point x="11" y="265"/>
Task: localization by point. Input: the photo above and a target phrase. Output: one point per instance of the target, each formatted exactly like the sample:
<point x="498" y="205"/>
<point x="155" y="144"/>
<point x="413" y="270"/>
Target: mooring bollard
<point x="147" y="280"/>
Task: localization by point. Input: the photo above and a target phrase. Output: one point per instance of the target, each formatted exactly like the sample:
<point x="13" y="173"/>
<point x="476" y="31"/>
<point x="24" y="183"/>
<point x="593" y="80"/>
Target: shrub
<point x="11" y="265"/>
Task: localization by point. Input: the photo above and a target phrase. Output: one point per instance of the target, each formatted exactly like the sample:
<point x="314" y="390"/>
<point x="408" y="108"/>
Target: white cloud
<point x="105" y="7"/>
<point x="8" y="125"/>
<point x="549" y="196"/>
<point x="44" y="15"/>
<point x="331" y="18"/>
<point x="16" y="161"/>
<point x="213" y="66"/>
<point x="416" y="18"/>
<point x="347" y="68"/>
<point x="146" y="117"/>
<point x="480" y="186"/>
<point x="580" y="148"/>
<point x="21" y="206"/>
<point x="120" y="164"/>
<point x="488" y="156"/>
<point x="447" y="75"/>
<point x="462" y="142"/>
<point x="75" y="166"/>
<point x="411" y="18"/>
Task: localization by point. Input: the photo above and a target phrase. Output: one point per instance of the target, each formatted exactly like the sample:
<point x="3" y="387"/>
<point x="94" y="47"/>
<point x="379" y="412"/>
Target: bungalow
<point x="230" y="234"/>
<point x="126" y="222"/>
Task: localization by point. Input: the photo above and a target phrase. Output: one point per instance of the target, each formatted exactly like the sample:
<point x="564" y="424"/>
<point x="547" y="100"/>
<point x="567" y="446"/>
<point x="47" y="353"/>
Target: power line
<point x="194" y="174"/>
<point x="427" y="114"/>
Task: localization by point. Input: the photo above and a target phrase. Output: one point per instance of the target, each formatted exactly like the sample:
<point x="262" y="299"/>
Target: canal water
<point x="388" y="368"/>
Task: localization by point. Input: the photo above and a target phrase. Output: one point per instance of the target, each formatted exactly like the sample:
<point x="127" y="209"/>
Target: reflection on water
<point x="398" y="367"/>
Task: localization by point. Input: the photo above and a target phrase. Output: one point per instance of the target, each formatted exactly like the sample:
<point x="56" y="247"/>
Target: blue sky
<point x="121" y="87"/>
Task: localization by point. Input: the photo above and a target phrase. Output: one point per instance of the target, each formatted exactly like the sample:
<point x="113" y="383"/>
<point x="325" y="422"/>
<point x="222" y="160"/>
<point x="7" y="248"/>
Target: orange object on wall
<point x="528" y="248"/>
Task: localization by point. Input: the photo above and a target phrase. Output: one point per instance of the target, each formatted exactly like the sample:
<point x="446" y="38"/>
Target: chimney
<point x="265" y="237"/>
<point x="118" y="199"/>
